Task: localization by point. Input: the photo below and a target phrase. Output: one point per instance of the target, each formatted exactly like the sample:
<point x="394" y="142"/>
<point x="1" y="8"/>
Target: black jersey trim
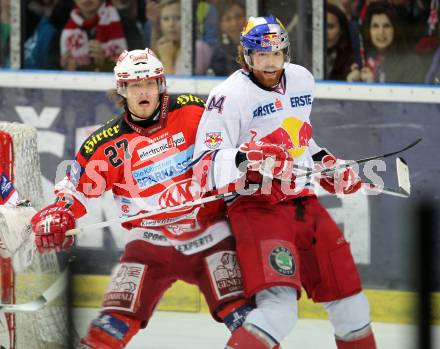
<point x="112" y="129"/>
<point x="184" y="100"/>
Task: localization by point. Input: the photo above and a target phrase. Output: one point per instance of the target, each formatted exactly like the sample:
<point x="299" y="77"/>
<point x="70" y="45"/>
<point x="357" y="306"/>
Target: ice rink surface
<point x="173" y="330"/>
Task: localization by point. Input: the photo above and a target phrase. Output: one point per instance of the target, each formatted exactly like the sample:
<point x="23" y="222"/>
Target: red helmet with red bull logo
<point x="264" y="34"/>
<point x="138" y="65"/>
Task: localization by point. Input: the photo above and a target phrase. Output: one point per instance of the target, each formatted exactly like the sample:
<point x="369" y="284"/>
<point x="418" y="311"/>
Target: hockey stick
<point x="350" y="163"/>
<point x="200" y="201"/>
<point x="403" y="181"/>
<point x="308" y="173"/>
<point x="42" y="300"/>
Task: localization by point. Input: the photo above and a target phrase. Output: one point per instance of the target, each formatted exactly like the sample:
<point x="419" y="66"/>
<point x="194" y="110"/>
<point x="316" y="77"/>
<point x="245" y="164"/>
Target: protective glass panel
<point x="5" y="30"/>
<point x="384" y="42"/>
<point x="297" y="18"/>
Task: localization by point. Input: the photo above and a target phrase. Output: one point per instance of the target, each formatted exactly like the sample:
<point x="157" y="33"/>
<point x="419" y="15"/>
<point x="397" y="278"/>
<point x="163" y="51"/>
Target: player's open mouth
<point x="144" y="103"/>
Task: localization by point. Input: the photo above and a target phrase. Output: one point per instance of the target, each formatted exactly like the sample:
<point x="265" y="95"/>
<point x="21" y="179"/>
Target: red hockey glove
<point x="268" y="159"/>
<point x="344" y="181"/>
<point x="50" y="225"/>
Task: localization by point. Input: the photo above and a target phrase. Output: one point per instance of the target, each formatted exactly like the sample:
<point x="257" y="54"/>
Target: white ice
<point x="173" y="330"/>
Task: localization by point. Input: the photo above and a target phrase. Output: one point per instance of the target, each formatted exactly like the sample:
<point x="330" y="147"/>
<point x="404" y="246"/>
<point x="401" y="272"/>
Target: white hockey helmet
<point x="138" y="65"/>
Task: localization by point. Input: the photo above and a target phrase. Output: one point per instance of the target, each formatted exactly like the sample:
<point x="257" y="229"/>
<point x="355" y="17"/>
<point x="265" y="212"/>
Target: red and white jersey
<point x="239" y="107"/>
<point x="8" y="194"/>
<point x="148" y="168"/>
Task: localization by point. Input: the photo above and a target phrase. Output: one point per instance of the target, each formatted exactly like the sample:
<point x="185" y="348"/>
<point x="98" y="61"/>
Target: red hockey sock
<point x="245" y="339"/>
<point x="110" y="331"/>
<point x="365" y="342"/>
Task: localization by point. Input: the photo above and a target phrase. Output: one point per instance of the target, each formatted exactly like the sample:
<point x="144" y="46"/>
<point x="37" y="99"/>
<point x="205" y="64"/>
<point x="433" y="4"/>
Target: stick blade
<point x="403" y="175"/>
<point x="41" y="301"/>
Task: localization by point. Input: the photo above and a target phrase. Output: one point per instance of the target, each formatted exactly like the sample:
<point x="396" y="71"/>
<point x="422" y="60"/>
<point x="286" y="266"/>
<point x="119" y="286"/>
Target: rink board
<point x="386" y="306"/>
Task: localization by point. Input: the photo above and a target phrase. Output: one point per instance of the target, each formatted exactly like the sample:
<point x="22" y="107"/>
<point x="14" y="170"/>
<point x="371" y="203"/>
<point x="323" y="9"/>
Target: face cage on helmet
<point x="248" y="58"/>
<point x="121" y="88"/>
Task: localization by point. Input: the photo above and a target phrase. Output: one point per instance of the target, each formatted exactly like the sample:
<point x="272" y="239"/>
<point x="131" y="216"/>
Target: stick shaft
<point x="306" y="173"/>
<point x="120" y="220"/>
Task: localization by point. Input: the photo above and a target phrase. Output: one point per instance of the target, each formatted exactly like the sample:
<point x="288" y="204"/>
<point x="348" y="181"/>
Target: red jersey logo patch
<point x="178" y="193"/>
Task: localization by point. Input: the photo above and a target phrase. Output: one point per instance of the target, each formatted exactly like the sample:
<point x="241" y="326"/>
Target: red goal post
<point x="25" y="274"/>
<point x="7" y="274"/>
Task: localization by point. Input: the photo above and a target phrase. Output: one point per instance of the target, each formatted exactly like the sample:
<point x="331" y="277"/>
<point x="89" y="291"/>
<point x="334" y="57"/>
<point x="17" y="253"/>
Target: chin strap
<point x="150" y="125"/>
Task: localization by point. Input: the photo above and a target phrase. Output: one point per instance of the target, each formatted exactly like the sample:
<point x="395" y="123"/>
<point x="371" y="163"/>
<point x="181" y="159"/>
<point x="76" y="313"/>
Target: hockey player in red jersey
<point x="144" y="157"/>
<point x="285" y="238"/>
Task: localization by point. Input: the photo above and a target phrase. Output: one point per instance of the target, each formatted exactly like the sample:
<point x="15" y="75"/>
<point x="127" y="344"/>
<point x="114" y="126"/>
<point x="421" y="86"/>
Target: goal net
<point x="25" y="274"/>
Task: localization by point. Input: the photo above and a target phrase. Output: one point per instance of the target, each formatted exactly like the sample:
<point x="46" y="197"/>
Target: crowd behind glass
<point x="366" y="40"/>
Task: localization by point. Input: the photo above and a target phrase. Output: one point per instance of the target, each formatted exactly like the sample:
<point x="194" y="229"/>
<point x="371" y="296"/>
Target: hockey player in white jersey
<point x="257" y="123"/>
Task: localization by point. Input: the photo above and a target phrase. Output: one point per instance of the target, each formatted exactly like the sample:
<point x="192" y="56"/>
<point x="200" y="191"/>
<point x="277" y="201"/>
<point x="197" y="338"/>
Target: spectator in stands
<point x="93" y="37"/>
<point x="349" y="8"/>
<point x="430" y="41"/>
<point x="433" y="74"/>
<point x="287" y="12"/>
<point x="207" y="23"/>
<point x="412" y="15"/>
<point x="42" y="48"/>
<point x="5" y="30"/>
<point x="152" y="23"/>
<point x="361" y="9"/>
<point x="340" y="56"/>
<point x="232" y="20"/>
<point x="133" y="32"/>
<point x="168" y="47"/>
<point x="35" y="10"/>
<point x="388" y="58"/>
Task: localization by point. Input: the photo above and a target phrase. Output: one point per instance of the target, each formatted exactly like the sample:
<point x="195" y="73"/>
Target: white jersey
<point x="238" y="107"/>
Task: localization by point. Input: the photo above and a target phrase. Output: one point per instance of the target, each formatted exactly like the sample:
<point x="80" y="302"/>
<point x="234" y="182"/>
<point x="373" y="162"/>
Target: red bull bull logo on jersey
<point x="213" y="140"/>
<point x="294" y="134"/>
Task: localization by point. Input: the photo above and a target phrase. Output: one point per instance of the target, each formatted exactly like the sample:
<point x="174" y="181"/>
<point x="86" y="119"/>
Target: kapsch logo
<point x="178" y="193"/>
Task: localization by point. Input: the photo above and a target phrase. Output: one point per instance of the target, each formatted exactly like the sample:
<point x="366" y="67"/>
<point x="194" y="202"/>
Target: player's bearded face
<point x="268" y="67"/>
<point x="143" y="97"/>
